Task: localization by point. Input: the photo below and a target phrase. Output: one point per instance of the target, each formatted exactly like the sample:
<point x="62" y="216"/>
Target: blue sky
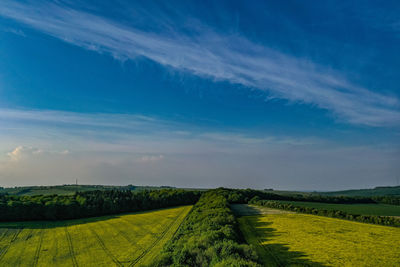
<point x="294" y="95"/>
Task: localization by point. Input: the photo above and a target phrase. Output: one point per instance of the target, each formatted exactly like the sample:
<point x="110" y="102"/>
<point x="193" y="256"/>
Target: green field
<point x="358" y="209"/>
<point x="377" y="191"/>
<point x="372" y="192"/>
<point x="284" y="239"/>
<point x="122" y="240"/>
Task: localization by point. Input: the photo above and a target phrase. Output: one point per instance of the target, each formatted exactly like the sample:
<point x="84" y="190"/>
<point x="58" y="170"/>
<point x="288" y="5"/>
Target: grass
<point x="359" y="209"/>
<point x="285" y="239"/>
<point x="124" y="240"/>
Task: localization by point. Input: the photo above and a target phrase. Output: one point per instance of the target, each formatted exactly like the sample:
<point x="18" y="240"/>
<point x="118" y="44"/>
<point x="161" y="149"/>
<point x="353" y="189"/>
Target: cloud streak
<point x="125" y="126"/>
<point x="215" y="56"/>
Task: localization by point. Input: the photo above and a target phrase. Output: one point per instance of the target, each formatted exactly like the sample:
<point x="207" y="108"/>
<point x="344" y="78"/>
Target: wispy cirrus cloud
<point x="216" y="56"/>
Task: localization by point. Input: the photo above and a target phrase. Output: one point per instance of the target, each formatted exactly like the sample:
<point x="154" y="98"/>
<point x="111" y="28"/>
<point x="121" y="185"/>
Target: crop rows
<point x="283" y="239"/>
<point x="123" y="240"/>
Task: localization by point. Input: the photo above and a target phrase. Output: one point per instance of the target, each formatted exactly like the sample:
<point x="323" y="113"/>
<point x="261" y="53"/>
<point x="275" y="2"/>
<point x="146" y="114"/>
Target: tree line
<point x="382" y="220"/>
<point x="244" y="195"/>
<point x="100" y="202"/>
<point x="392" y="200"/>
<point x="90" y="203"/>
<point x="209" y="236"/>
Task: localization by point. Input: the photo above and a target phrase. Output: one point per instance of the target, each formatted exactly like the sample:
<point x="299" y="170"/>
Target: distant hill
<point x="377" y="191"/>
<point x="68" y="189"/>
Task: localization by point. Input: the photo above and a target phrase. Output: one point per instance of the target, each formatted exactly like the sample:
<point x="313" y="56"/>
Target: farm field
<point x="283" y="239"/>
<point x="122" y="240"/>
<point x="377" y="191"/>
<point x="359" y="209"/>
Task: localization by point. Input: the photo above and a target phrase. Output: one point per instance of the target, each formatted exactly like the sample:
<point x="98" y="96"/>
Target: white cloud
<point x="25" y="152"/>
<point x="21" y="152"/>
<point x="151" y="158"/>
<point x="219" y="57"/>
<point x="64" y="152"/>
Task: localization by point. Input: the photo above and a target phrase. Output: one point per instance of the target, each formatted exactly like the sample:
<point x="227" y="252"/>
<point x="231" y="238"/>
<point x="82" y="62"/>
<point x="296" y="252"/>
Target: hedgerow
<point x="382" y="220"/>
<point x="209" y="236"/>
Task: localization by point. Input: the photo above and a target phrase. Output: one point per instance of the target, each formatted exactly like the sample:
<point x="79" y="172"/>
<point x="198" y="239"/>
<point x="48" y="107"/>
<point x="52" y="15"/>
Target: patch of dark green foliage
<point x="382" y="220"/>
<point x="209" y="236"/>
<point x="90" y="204"/>
<point x="244" y="195"/>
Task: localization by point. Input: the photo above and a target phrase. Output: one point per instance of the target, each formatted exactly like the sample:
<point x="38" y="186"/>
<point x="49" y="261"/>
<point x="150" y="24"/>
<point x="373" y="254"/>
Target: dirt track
<point x="246" y="210"/>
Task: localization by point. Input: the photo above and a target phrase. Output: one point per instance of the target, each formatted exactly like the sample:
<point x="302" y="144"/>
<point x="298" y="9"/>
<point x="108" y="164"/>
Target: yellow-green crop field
<point x="285" y="239"/>
<point x="122" y="240"/>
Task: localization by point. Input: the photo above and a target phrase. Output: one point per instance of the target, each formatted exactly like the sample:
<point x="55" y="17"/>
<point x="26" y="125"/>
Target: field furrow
<point x="70" y="247"/>
<point x="157" y="245"/>
<point x="7" y="247"/>
<point x="284" y="239"/>
<point x="121" y="240"/>
<point x="106" y="250"/>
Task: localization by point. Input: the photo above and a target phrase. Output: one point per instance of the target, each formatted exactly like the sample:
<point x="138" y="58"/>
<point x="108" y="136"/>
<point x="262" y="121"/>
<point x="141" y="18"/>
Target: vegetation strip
<point x="364" y="209"/>
<point x="382" y="220"/>
<point x="209" y="236"/>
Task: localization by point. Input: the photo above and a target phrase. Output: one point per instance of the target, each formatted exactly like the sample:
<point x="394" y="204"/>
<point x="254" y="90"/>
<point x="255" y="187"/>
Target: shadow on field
<point x="244" y="210"/>
<point x="54" y="224"/>
<point x="279" y="254"/>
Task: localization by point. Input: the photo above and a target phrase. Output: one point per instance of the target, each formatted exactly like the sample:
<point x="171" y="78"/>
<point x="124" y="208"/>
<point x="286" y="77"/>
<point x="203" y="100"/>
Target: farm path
<point x="248" y="210"/>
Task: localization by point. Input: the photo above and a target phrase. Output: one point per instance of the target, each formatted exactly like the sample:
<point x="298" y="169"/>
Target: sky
<point x="295" y="95"/>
